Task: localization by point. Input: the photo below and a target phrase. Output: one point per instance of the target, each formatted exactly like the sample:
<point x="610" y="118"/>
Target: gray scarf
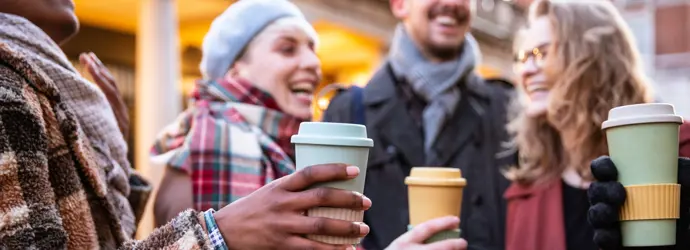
<point x="437" y="83"/>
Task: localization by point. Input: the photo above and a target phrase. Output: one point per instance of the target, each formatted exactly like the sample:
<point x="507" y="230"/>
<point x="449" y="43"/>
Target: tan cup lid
<point x="642" y="113"/>
<point x="435" y="176"/>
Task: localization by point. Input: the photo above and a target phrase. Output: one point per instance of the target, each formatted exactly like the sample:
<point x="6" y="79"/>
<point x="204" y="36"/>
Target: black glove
<point x="607" y="195"/>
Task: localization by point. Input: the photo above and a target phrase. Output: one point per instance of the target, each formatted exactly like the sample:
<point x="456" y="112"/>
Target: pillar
<point x="157" y="93"/>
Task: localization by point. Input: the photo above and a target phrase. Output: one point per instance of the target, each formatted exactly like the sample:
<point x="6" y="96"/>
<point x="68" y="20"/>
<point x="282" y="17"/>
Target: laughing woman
<point x="576" y="61"/>
<point x="259" y="68"/>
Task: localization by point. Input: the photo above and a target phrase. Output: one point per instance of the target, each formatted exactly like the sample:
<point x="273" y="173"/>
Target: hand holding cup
<point x="607" y="196"/>
<point x="323" y="143"/>
<point x="416" y="238"/>
<point x="273" y="216"/>
<point x="643" y="143"/>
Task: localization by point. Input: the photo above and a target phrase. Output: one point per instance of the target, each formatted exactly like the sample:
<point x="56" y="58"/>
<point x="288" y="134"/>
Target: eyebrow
<point x="288" y="38"/>
<point x="291" y="38"/>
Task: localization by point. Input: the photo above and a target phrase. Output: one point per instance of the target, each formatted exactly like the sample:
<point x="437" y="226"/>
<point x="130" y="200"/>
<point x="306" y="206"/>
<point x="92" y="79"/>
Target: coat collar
<point x="391" y="118"/>
<point x="381" y="87"/>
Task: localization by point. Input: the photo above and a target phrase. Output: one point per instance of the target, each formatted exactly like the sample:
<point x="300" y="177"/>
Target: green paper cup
<point x="643" y="143"/>
<point x="323" y="143"/>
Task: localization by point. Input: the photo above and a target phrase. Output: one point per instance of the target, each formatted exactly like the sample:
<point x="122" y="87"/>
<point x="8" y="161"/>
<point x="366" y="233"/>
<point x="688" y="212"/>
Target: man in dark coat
<point x="426" y="106"/>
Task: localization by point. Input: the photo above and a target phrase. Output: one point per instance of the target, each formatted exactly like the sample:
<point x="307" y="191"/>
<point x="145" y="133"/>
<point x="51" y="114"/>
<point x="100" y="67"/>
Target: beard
<point x="443" y="52"/>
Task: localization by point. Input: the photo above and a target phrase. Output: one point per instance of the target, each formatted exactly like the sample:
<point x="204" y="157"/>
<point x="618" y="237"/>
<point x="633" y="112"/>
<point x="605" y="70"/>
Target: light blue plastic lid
<point x="334" y="134"/>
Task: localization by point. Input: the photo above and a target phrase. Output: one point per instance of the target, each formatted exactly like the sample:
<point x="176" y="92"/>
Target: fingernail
<point x="456" y="219"/>
<point x="363" y="228"/>
<point x="366" y="202"/>
<point x="352" y="171"/>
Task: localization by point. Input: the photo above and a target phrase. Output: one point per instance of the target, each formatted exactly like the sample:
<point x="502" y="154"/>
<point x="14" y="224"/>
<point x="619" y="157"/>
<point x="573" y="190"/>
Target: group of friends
<point x="533" y="152"/>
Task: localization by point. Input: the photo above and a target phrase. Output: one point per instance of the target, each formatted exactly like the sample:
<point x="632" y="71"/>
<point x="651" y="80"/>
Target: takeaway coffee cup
<point x="323" y="143"/>
<point x="643" y="143"/>
<point x="434" y="193"/>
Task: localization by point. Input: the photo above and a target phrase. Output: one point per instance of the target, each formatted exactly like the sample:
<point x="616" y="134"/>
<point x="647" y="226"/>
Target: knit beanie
<point x="232" y="31"/>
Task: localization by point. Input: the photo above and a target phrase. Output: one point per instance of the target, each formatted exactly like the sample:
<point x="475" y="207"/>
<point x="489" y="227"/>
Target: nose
<point x="310" y="60"/>
<point x="529" y="68"/>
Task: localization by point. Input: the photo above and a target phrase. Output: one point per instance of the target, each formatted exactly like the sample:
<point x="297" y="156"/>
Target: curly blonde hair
<point x="592" y="66"/>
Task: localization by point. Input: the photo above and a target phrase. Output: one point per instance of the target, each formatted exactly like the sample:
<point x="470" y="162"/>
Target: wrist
<point x="214" y="233"/>
<point x="222" y="218"/>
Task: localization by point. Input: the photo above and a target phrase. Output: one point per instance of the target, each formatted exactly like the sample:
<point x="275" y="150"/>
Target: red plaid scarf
<point x="281" y="127"/>
<point x="231" y="141"/>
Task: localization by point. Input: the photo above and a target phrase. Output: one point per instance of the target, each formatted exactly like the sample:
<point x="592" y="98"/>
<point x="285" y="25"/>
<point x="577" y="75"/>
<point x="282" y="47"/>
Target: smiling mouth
<point x="536" y="88"/>
<point x="448" y="16"/>
<point x="303" y="92"/>
<point x="446" y="21"/>
<point x="302" y="88"/>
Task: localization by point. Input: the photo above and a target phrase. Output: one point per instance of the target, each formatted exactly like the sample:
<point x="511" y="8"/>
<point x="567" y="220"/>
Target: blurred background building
<point x="153" y="49"/>
<point x="662" y="31"/>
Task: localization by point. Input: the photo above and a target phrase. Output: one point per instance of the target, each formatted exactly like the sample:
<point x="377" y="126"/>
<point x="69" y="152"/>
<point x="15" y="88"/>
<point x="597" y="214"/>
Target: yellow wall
<point x="347" y="57"/>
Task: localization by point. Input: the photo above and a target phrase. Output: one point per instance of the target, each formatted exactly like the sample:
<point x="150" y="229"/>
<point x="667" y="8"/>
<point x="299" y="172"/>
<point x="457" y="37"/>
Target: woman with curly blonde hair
<point x="576" y="61"/>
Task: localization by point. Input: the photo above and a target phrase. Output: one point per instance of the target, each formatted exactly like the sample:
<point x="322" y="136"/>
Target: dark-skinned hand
<point x="106" y="82"/>
<point x="273" y="216"/>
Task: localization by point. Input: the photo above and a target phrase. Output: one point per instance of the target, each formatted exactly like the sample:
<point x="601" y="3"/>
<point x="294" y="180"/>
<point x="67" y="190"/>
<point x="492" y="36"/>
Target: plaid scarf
<point x="231" y="141"/>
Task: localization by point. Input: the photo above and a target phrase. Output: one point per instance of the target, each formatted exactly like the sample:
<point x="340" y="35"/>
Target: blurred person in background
<point x="260" y="70"/>
<point x="65" y="182"/>
<point x="576" y="61"/>
<point x="426" y="106"/>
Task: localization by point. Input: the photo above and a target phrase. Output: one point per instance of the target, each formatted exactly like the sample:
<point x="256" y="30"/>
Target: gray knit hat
<point x="236" y="27"/>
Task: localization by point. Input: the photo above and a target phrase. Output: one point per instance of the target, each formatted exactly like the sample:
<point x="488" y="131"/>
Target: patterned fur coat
<point x="54" y="194"/>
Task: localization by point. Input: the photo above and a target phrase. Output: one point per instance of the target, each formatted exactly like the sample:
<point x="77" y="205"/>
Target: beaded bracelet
<point x="217" y="240"/>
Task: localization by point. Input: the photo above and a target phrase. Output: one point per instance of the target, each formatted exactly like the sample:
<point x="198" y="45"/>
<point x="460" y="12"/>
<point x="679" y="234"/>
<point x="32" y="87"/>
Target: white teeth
<point x="446" y="20"/>
<point x="302" y="87"/>
<point x="534" y="88"/>
<point x="304" y="95"/>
